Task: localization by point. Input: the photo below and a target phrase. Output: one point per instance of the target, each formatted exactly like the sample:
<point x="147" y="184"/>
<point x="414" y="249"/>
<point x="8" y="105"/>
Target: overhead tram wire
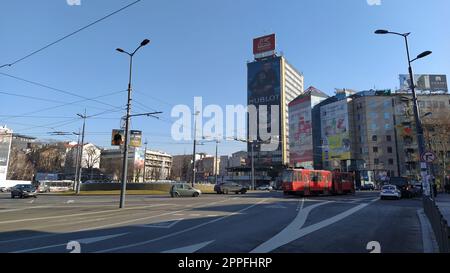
<point x="55" y="89"/>
<point x="69" y="35"/>
<point x="69" y="103"/>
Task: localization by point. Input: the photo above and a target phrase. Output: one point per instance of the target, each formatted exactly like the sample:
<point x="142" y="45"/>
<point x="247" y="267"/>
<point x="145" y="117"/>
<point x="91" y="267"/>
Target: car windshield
<point x="388" y="188"/>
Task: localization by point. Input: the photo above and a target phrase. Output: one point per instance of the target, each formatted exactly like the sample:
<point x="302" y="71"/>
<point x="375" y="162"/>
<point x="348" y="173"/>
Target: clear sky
<point x="198" y="48"/>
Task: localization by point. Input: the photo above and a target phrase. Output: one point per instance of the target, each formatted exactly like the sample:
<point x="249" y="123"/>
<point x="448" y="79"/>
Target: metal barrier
<point x="438" y="223"/>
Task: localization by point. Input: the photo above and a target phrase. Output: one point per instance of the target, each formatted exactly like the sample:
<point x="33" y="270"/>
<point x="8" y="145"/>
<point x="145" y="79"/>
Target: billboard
<point x="135" y="138"/>
<point x="432" y="83"/>
<point x="335" y="132"/>
<point x="117" y="137"/>
<point x="300" y="133"/>
<point x="264" y="44"/>
<point x="5" y="146"/>
<point x="264" y="88"/>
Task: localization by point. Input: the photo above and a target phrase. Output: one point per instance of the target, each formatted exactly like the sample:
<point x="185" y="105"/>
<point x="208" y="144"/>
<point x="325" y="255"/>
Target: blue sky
<point x="199" y="48"/>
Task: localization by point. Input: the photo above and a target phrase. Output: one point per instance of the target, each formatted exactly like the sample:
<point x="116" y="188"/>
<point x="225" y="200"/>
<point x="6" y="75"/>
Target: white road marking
<point x="294" y="231"/>
<point x="82" y="241"/>
<point x="276" y="206"/>
<point x="37" y="207"/>
<point x="189" y="249"/>
<point x="194" y="214"/>
<point x="70" y="201"/>
<point x="167" y="224"/>
<point x="178" y="214"/>
<point x="78" y="214"/>
<point x="212" y="215"/>
<point x="179" y="232"/>
<point x="109" y="225"/>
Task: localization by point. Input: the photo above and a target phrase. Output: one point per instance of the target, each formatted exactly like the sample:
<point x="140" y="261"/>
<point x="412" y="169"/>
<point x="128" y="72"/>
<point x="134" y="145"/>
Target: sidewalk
<point x="443" y="202"/>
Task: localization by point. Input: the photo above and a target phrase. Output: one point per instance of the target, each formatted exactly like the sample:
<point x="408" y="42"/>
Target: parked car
<point x="183" y="189"/>
<point x="23" y="191"/>
<point x="4" y="189"/>
<point x="264" y="188"/>
<point x="403" y="184"/>
<point x="226" y="188"/>
<point x="367" y="187"/>
<point x="390" y="191"/>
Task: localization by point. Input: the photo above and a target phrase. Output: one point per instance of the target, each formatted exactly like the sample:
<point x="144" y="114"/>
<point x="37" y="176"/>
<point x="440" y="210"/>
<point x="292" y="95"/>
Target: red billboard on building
<point x="264" y="44"/>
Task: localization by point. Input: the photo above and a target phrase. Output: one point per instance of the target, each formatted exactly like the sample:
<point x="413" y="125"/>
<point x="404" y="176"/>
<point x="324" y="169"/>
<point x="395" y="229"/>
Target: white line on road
<point x="181" y="231"/>
<point x="78" y="214"/>
<point x="110" y="225"/>
<point x="189" y="249"/>
<point x="82" y="241"/>
<point x="294" y="231"/>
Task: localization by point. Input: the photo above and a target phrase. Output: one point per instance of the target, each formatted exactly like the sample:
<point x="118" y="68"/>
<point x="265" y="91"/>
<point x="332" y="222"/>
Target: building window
<point x="389" y="150"/>
<point x="391" y="161"/>
<point x="388" y="138"/>
<point x="374" y="138"/>
<point x="376" y="161"/>
<point x="375" y="149"/>
<point x="387" y="116"/>
<point x="374" y="126"/>
<point x="387" y="126"/>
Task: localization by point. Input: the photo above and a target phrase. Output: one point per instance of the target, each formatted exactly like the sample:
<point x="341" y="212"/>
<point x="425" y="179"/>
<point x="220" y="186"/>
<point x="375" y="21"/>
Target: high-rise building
<point x="301" y="136"/>
<point x="272" y="83"/>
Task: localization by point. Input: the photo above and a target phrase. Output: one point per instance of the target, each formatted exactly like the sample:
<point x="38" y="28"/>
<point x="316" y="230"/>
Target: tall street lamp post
<point x="127" y="123"/>
<point x="419" y="128"/>
<point x="195" y="143"/>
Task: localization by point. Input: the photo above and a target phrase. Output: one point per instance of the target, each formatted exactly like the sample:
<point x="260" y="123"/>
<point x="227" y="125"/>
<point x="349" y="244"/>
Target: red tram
<point x="317" y="182"/>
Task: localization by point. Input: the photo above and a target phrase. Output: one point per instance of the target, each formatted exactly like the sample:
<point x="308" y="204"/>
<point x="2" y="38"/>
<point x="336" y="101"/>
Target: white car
<point x="390" y="191"/>
<point x="264" y="188"/>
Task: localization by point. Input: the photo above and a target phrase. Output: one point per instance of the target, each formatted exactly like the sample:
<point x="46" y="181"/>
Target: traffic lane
<point x="394" y="224"/>
<point x="239" y="231"/>
<point x="130" y="221"/>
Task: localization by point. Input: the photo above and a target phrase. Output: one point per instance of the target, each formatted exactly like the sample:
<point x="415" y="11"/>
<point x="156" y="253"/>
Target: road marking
<point x="276" y="206"/>
<point x="194" y="214"/>
<point x="189" y="249"/>
<point x="179" y="232"/>
<point x="78" y="214"/>
<point x="300" y="204"/>
<point x="37" y="207"/>
<point x="212" y="215"/>
<point x="178" y="214"/>
<point x="70" y="201"/>
<point x="109" y="225"/>
<point x="167" y="224"/>
<point x="294" y="231"/>
<point x="82" y="241"/>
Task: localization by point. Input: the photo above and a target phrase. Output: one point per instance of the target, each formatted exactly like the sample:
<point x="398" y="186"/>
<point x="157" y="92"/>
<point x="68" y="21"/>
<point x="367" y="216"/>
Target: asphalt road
<point x="257" y="222"/>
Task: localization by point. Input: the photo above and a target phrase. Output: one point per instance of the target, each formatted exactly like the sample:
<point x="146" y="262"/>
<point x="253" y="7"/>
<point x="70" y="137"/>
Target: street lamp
<point x="127" y="123"/>
<point x="419" y="128"/>
<point x="195" y="143"/>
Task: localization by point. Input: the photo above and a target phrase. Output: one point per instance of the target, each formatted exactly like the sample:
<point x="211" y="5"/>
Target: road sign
<point x="428" y="157"/>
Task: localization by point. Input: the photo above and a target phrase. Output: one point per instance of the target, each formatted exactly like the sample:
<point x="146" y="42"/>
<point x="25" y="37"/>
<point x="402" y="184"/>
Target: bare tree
<point x="20" y="166"/>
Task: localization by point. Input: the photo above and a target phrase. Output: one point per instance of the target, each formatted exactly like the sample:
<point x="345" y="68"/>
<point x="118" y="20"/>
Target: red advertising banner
<point x="264" y="44"/>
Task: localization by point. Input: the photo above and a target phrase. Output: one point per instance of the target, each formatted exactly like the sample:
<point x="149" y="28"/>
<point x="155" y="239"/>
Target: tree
<point x="20" y="166"/>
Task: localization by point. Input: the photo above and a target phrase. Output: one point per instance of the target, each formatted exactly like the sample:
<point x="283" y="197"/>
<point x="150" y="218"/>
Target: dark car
<point x="226" y="188"/>
<point x="23" y="191"/>
<point x="367" y="187"/>
<point x="404" y="186"/>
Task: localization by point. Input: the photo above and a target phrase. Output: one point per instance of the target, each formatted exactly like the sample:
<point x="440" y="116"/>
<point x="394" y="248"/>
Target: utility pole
<point x="419" y="128"/>
<point x="193" y="152"/>
<point x="216" y="166"/>
<point x="81" y="152"/>
<point x="127" y="123"/>
<point x="145" y="160"/>
<point x="77" y="160"/>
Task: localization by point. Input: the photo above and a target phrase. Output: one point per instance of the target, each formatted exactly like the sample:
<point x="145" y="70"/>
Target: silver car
<point x="183" y="189"/>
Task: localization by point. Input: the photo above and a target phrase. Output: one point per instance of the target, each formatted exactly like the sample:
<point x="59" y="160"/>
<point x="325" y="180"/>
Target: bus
<point x="317" y="182"/>
<point x="53" y="185"/>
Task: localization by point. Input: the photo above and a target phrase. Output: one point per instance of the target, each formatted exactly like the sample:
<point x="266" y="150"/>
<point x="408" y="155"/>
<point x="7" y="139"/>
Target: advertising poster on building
<point x="264" y="88"/>
<point x="5" y="145"/>
<point x="117" y="137"/>
<point x="432" y="83"/>
<point x="300" y="133"/>
<point x="264" y="45"/>
<point x="135" y="138"/>
<point x="335" y="132"/>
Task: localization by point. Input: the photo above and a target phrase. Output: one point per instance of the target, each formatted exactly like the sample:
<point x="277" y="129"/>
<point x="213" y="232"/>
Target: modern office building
<point x="272" y="84"/>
